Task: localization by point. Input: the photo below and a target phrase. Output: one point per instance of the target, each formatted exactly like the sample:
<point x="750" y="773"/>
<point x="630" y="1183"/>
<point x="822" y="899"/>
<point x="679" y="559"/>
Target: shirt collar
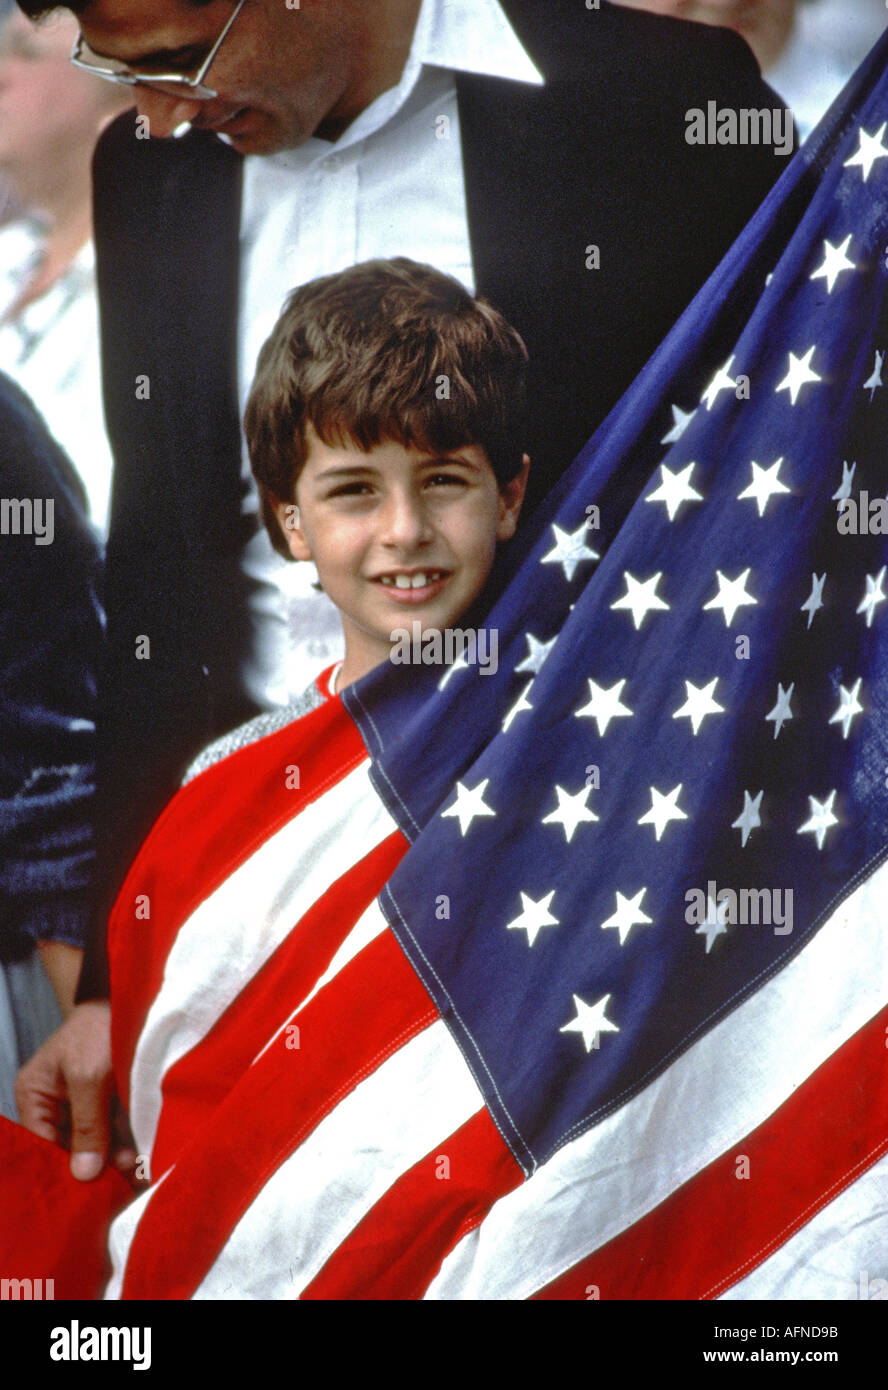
<point x="456" y="35"/>
<point x="471" y="36"/>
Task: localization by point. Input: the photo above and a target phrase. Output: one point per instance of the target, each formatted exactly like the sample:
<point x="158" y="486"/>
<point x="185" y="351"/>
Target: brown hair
<point x="36" y="9"/>
<point x="385" y="351"/>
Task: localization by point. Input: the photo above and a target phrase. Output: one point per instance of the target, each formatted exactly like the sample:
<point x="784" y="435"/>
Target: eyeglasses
<point x="174" y="83"/>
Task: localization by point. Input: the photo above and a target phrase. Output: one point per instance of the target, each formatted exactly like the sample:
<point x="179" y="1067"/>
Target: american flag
<point x="435" y="1018"/>
<point x="694" y="662"/>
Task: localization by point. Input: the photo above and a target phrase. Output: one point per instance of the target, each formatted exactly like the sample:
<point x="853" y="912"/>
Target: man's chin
<point x="257" y="134"/>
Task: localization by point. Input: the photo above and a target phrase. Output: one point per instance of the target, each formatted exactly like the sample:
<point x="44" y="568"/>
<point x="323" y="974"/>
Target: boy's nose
<point x="405" y="524"/>
<point x="165" y="112"/>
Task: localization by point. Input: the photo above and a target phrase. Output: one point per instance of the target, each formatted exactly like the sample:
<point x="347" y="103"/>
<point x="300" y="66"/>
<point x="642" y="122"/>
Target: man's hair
<point x="36" y="9"/>
<point x="385" y="352"/>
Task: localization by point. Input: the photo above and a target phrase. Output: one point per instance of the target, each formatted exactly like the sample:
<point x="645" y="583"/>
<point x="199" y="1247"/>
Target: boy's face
<point x="398" y="535"/>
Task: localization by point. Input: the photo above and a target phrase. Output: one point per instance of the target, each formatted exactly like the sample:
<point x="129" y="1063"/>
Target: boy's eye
<point x="355" y="489"/>
<point x="446" y="479"/>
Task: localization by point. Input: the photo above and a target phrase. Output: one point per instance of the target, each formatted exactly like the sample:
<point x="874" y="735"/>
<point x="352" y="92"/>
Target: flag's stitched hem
<point x="393" y="800"/>
<point x="527" y="1170"/>
<point x="797" y="1222"/>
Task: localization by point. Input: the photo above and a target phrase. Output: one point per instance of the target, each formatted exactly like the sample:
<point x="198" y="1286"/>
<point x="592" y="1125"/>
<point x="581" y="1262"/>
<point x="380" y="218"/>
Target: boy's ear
<point x="290" y="521"/>
<point x="510" y="500"/>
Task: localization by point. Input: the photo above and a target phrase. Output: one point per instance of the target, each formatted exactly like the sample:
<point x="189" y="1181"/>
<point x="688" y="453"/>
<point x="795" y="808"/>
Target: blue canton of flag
<point x="691" y="698"/>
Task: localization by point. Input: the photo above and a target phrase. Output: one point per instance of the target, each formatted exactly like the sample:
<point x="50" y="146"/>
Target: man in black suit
<point x="587" y="219"/>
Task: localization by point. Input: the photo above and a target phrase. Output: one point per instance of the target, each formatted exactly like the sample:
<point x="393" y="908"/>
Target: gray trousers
<point x="29" y="1012"/>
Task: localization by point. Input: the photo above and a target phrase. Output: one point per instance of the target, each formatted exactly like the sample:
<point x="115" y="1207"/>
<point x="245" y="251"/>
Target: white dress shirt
<point x="829" y="40"/>
<point x="391" y="185"/>
<point x="51" y="349"/>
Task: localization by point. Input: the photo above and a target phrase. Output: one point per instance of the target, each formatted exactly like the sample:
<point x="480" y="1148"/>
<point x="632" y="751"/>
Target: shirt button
<point x="333" y="163"/>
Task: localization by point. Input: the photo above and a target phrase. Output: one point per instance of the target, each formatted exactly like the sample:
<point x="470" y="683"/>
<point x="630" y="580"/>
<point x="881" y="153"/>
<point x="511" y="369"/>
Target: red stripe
<point x="397" y="1249"/>
<point x="718" y="1227"/>
<point x="209" y="828"/>
<point x="276" y="1104"/>
<point x="199" y="1082"/>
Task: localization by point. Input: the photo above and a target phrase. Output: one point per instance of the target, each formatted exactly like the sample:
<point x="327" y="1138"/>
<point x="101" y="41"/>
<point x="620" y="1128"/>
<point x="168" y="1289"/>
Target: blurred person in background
<point x="9" y="204"/>
<point x="50" y="117"/>
<point x="807" y="49"/>
<point x="50" y="640"/>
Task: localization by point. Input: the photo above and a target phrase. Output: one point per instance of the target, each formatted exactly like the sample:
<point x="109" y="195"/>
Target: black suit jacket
<point x="597" y="156"/>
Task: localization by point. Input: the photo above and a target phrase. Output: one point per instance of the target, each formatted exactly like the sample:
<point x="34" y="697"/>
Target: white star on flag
<point x="699" y="703"/>
<point x="570" y="550"/>
<point x="815" y="598"/>
<point x="663" y="810"/>
<point x="722" y="381"/>
<point x="875" y="379"/>
<point x="640" y="597"/>
<point x="628" y="915"/>
<point x="799" y="374"/>
<point x="871" y="149"/>
<point x="749" y="818"/>
<point x="604" y="705"/>
<point x="469" y="804"/>
<point x="873" y="596"/>
<point x="680" y="421"/>
<point x="822" y="819"/>
<point x="460" y="664"/>
<point x="714" y="924"/>
<point x="844" y="488"/>
<point x="571" y="811"/>
<point x="521" y="704"/>
<point x="590" y="1021"/>
<point x="765" y="485"/>
<point x="731" y="595"/>
<point x="536" y="654"/>
<point x="534" y="917"/>
<point x="834" y="262"/>
<point x="781" y="711"/>
<point x="674" y="489"/>
<point x="848" y="707"/>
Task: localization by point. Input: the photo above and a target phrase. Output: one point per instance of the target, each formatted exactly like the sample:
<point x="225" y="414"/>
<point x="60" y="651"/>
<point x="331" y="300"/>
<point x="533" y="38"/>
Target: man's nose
<point x="165" y="112"/>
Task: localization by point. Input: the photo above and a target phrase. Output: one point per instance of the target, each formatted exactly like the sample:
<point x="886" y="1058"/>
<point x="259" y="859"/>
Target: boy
<point x="385" y="426"/>
<point x="287" y="1075"/>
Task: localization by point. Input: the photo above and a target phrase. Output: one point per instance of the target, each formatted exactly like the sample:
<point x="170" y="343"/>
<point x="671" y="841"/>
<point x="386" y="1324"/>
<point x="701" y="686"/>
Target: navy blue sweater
<point x="51" y="632"/>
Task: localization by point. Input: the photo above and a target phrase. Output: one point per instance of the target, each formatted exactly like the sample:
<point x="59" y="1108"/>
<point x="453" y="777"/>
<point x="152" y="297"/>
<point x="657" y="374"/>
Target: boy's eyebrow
<point x="442" y="460"/>
<point x="430" y="461"/>
<point x="337" y="469"/>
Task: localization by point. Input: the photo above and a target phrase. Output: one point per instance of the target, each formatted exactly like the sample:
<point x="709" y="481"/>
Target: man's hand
<point x="65" y="1092"/>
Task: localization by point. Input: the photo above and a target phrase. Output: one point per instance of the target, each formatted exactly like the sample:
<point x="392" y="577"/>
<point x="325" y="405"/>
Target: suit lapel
<point x="174" y="315"/>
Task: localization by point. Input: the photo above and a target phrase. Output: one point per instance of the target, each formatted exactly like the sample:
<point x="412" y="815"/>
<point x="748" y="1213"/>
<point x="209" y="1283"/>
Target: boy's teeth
<point x="415" y="581"/>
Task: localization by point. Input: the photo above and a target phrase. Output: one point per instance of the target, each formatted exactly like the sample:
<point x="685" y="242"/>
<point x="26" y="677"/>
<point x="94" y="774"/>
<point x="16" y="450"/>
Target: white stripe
<point x="721" y="1089"/>
<point x="839" y="1255"/>
<point x="402" y="1111"/>
<point x="120" y="1237"/>
<point x="234" y="931"/>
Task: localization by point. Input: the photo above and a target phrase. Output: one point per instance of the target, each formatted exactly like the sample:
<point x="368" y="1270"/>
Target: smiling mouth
<point x="416" y="587"/>
<point x="400" y="579"/>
